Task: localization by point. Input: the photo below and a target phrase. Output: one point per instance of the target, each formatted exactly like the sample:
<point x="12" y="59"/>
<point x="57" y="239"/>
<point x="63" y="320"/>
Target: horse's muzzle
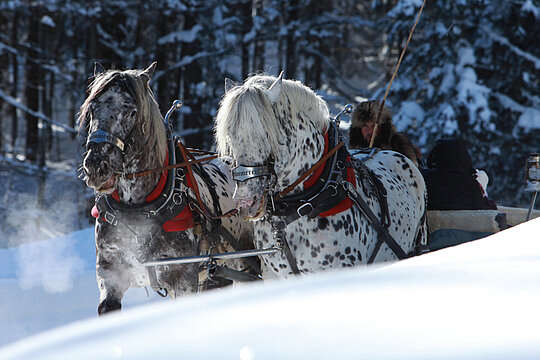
<point x="99" y="175"/>
<point x="251" y="208"/>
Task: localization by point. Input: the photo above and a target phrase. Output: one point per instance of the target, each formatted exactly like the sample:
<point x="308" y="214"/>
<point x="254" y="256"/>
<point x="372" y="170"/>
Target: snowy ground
<point x="474" y="301"/>
<point x="50" y="283"/>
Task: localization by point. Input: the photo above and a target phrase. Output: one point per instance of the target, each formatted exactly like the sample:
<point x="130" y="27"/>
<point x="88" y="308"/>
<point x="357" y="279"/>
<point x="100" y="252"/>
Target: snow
<point x="409" y="115"/>
<point x="186" y="36"/>
<point x="49" y="283"/>
<point x="529" y="119"/>
<point x="504" y="41"/>
<point x="474" y="301"/>
<point x="529" y="7"/>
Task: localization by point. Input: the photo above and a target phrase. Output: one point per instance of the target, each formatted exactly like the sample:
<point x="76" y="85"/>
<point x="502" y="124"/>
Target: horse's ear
<point x="149" y="71"/>
<point x="229" y="84"/>
<point x="98" y="69"/>
<point x="275" y="89"/>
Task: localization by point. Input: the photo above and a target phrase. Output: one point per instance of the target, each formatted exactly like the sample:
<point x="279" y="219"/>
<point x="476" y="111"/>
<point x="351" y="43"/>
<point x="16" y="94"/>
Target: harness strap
<point x="290" y="257"/>
<point x="215" y="220"/>
<point x="189" y="159"/>
<point x="236" y="246"/>
<point x="284" y="245"/>
<point x="291" y="187"/>
<point x="383" y="234"/>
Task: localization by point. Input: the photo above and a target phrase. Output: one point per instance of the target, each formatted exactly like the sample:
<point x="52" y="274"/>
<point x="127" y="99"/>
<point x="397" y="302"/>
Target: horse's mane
<point x="246" y="114"/>
<point x="149" y="117"/>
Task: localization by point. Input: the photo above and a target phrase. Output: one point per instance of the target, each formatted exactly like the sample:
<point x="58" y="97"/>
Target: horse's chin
<point x="253" y="213"/>
<point x="107" y="187"/>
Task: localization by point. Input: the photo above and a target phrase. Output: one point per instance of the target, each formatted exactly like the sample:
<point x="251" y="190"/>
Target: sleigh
<point x="452" y="227"/>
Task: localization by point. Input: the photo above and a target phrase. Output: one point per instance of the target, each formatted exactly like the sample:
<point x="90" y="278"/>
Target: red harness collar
<point x="181" y="222"/>
<point x="347" y="203"/>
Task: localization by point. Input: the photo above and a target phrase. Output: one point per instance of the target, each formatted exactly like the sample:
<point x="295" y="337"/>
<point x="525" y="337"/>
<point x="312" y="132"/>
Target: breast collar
<point x="166" y="206"/>
<point x="324" y="191"/>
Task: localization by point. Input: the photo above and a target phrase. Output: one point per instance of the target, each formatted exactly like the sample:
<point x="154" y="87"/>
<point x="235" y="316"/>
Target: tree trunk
<point x="191" y="76"/>
<point x="291" y="61"/>
<point x="245" y="15"/>
<point x="32" y="85"/>
<point x="15" y="82"/>
<point x="259" y="45"/>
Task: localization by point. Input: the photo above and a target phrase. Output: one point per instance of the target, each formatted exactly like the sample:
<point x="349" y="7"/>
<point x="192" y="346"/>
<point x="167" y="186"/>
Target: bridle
<point x="102" y="136"/>
<point x="243" y="173"/>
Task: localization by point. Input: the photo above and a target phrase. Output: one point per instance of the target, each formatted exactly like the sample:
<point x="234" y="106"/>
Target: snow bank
<point x="477" y="300"/>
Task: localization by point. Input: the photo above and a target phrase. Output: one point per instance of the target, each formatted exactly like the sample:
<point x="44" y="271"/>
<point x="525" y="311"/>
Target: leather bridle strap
<point x="169" y="167"/>
<point x="290" y="188"/>
<point x="102" y="136"/>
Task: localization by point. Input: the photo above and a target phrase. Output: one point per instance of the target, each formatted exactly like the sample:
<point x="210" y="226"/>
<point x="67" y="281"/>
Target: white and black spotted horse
<point x="349" y="211"/>
<point x="146" y="215"/>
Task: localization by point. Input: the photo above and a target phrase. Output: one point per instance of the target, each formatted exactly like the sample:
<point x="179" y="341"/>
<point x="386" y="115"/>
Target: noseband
<point x="102" y="136"/>
<point x="243" y="173"/>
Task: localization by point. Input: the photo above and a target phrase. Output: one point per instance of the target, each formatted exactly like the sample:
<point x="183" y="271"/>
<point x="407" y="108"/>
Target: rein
<point x="190" y="159"/>
<point x="167" y="168"/>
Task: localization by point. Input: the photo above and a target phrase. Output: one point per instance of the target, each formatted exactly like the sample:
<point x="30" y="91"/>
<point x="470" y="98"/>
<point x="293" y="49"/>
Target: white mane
<point x="247" y="121"/>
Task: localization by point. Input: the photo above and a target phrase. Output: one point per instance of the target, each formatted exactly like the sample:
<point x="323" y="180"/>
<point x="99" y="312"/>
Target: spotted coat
<point x="252" y="129"/>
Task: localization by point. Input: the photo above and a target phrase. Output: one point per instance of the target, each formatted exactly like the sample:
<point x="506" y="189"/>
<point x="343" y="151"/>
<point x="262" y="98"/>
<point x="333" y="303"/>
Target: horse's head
<point x="112" y="117"/>
<point x="262" y="126"/>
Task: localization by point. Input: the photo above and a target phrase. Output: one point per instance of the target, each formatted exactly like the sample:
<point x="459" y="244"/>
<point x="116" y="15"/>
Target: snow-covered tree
<point x="472" y="72"/>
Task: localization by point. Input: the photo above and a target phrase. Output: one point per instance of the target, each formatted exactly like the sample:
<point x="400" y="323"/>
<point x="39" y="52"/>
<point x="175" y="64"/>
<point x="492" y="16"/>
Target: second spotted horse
<point x="305" y="193"/>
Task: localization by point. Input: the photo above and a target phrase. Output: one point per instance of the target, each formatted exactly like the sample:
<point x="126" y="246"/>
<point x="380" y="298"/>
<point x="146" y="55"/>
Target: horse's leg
<point x="112" y="276"/>
<point x="180" y="279"/>
<point x="112" y="286"/>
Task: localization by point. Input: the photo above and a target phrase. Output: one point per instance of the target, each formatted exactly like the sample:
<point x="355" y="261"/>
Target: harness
<point x="333" y="190"/>
<point x="323" y="192"/>
<point x="168" y="207"/>
<point x="170" y="204"/>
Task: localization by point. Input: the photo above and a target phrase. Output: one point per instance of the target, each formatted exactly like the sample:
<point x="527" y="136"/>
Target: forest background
<point x="471" y="71"/>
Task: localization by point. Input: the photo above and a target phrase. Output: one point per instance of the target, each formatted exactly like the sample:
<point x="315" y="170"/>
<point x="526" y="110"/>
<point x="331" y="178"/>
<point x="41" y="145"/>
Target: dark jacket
<point x="388" y="138"/>
<point x="450" y="178"/>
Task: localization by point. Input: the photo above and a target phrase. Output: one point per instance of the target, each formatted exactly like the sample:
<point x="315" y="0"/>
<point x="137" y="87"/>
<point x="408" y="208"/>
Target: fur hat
<point x="367" y="111"/>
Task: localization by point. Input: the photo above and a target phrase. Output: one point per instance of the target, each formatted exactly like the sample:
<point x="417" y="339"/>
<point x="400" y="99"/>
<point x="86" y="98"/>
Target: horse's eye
<point x="133" y="113"/>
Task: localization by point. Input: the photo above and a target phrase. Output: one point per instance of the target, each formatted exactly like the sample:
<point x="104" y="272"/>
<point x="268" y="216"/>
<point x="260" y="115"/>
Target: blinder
<point x="243" y="173"/>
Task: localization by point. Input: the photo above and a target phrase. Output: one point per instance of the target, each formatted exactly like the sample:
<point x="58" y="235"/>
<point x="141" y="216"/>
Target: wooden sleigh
<point x="453" y="227"/>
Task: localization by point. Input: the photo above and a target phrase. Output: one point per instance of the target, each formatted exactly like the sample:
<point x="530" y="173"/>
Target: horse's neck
<point x="303" y="151"/>
<point x="135" y="191"/>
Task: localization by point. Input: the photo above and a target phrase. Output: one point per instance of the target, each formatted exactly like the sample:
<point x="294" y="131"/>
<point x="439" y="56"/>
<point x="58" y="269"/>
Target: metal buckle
<point x="110" y="218"/>
<point x="243" y="173"/>
<point x="333" y="187"/>
<point x="177" y="198"/>
<point x="298" y="211"/>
